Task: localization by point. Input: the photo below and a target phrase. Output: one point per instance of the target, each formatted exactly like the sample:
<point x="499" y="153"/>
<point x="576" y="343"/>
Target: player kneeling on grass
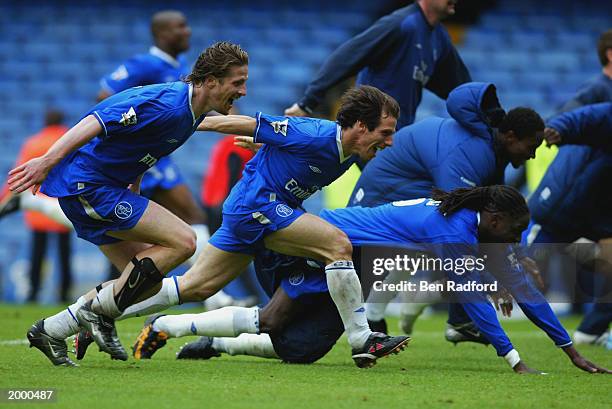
<point x="453" y="226"/>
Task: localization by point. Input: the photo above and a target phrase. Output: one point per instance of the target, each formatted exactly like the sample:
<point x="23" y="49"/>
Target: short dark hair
<point x="523" y="121"/>
<point x="604" y="44"/>
<point x="496" y="198"/>
<point x="365" y="104"/>
<point x="216" y="61"/>
<point x="54" y="117"/>
<point x="160" y="20"/>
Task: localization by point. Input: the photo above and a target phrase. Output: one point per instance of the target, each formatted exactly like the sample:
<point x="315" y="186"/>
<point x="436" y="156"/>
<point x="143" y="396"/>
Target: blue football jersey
<point x="154" y="67"/>
<point x="299" y="157"/>
<point x="415" y="224"/>
<point x="139" y="126"/>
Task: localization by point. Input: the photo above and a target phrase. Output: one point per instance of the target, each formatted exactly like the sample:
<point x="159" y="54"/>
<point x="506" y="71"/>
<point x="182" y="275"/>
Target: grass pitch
<point x="431" y="373"/>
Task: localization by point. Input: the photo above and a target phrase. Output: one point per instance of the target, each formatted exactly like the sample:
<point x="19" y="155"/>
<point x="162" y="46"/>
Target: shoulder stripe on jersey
<point x="193" y="118"/>
<point x="258" y="125"/>
<point x="339" y="143"/>
<point x="101" y="122"/>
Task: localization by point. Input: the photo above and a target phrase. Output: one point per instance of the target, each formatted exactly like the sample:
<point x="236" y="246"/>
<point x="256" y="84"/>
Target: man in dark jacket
<point x="400" y="54"/>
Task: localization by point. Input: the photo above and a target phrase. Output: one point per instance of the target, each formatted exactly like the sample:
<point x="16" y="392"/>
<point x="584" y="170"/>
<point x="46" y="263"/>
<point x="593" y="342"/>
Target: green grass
<point x="431" y="374"/>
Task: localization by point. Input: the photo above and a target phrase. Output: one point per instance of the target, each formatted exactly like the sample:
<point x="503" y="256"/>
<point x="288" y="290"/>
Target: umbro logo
<point x="128" y="118"/>
<point x="280" y="126"/>
<point x="172" y="140"/>
<point x="315" y="169"/>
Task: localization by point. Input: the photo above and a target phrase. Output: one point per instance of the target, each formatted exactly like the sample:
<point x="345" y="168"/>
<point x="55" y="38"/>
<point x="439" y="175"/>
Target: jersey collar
<point x="339" y="143"/>
<point x="162" y="55"/>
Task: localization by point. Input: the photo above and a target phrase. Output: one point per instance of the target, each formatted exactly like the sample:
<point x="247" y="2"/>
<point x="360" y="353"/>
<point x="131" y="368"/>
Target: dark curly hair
<point x="523" y="121"/>
<point x="496" y="198"/>
<point x="216" y="61"/>
<point x="365" y="104"/>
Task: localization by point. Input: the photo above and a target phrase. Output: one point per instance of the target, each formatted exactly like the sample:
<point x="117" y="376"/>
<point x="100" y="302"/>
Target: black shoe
<point x="82" y="340"/>
<point x="10" y="204"/>
<point x="102" y="330"/>
<point x="467" y="332"/>
<point x="378" y="326"/>
<point x="149" y="340"/>
<point x="53" y="348"/>
<point x="200" y="349"/>
<point x="377" y="346"/>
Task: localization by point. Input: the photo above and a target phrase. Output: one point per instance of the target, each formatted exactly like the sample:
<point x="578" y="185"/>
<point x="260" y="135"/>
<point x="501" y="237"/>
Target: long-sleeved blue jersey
<point x="399" y="54"/>
<point x="418" y="224"/>
<point x="447" y="153"/>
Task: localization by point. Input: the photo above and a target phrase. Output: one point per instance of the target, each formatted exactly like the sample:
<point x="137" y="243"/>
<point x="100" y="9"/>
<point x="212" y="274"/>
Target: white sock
<point x="64" y="323"/>
<point x="46" y="205"/>
<point x="246" y="344"/>
<point x="345" y="290"/>
<point x="377" y="301"/>
<point x="104" y="303"/>
<point x="224" y="322"/>
<point x="167" y="296"/>
<point x="202" y="236"/>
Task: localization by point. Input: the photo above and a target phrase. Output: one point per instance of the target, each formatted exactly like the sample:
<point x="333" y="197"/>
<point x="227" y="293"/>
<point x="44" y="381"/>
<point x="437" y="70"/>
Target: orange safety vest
<point x="35" y="146"/>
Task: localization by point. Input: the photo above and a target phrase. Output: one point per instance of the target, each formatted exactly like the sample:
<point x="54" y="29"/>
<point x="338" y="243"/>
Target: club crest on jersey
<point x="128" y="118"/>
<point x="280" y="126"/>
<point x="283" y="210"/>
<point x="123" y="210"/>
<point x="296" y="278"/>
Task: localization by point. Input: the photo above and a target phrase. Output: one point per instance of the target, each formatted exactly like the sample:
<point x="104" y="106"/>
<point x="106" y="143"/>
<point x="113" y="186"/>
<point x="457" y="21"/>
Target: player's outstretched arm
<point x="33" y="172"/>
<point x="229" y="124"/>
<point x="583" y="363"/>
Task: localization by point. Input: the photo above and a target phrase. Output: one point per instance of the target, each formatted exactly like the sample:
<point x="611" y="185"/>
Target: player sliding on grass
<point x="302" y="325"/>
<point x="90" y="168"/>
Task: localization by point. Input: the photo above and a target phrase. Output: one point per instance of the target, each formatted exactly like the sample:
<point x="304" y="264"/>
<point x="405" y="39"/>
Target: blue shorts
<point x="99" y="209"/>
<point x="164" y="175"/>
<point x="244" y="231"/>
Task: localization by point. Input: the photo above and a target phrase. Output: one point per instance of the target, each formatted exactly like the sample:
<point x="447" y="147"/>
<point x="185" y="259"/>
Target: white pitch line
<point x="24" y="341"/>
<point x="10" y="342"/>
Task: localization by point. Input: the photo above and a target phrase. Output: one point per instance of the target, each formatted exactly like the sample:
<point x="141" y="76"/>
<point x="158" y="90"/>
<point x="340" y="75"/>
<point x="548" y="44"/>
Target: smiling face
<point x="224" y="91"/>
<point x="370" y="142"/>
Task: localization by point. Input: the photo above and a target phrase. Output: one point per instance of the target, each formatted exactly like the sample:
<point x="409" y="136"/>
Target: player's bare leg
<point x="180" y="201"/>
<point x="171" y="242"/>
